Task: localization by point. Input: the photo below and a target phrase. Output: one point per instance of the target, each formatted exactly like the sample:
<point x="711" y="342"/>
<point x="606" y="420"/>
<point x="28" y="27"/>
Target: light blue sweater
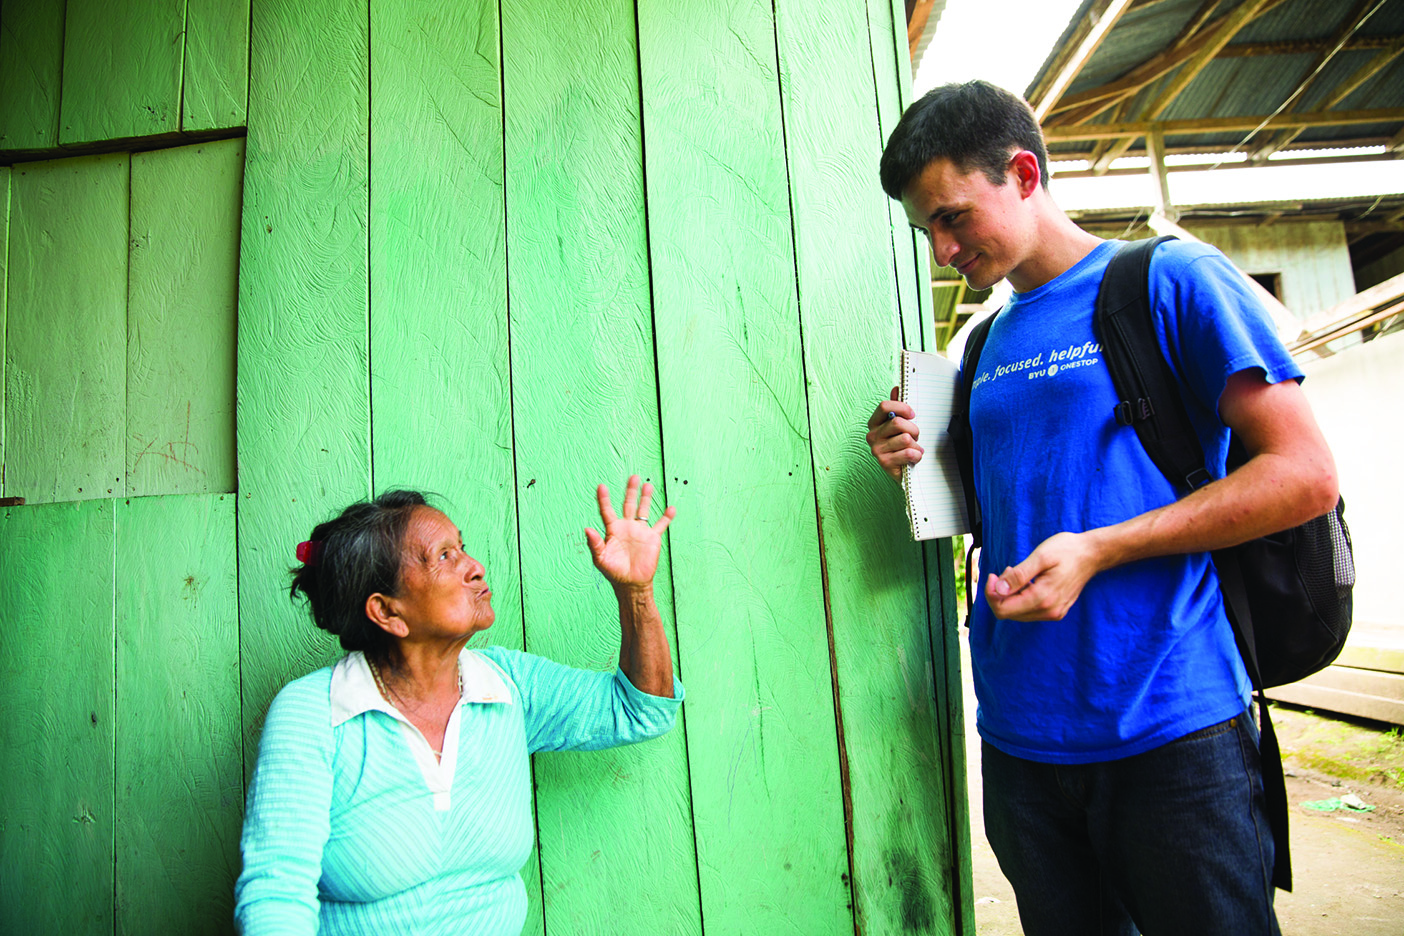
<point x="353" y="826"/>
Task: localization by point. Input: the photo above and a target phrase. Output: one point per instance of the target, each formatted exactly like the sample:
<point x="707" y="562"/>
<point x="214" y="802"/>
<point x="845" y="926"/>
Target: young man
<point x="1121" y="777"/>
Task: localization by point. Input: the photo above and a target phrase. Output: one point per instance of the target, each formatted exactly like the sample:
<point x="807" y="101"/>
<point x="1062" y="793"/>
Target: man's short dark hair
<point x="975" y="125"/>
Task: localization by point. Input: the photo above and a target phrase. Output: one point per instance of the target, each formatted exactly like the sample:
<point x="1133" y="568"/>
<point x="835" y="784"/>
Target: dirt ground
<point x="1348" y="864"/>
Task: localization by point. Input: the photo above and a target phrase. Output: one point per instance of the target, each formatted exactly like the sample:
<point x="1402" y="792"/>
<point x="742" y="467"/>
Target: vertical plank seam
<point x="662" y="450"/>
<point x="954" y="785"/>
<point x="892" y="233"/>
<point x="127" y="344"/>
<point x="370" y="219"/>
<point x="184" y="45"/>
<point x="58" y="102"/>
<point x="512" y="419"/>
<point x="248" y="80"/>
<point x="113" y="808"/>
<point x="844" y="783"/>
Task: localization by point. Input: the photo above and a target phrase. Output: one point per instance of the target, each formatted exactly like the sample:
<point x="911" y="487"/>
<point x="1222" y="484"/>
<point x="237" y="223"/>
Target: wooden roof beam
<point x="1304" y="46"/>
<point x="1100" y="19"/>
<point x="1084" y="105"/>
<point x="1362" y="74"/>
<point x="916" y="23"/>
<point x="1116" y="131"/>
<point x="1362" y="10"/>
<point x="1218" y="37"/>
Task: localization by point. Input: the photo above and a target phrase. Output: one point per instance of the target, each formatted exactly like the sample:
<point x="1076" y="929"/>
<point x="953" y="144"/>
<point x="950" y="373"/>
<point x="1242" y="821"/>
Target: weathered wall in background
<point x="500" y="252"/>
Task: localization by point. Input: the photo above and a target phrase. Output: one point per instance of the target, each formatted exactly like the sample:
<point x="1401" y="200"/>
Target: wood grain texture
<point x="891" y="68"/>
<point x="67" y="322"/>
<point x="903" y="857"/>
<point x="438" y="271"/>
<point x="943" y="615"/>
<point x="56" y="690"/>
<point x="31" y="71"/>
<point x="616" y="835"/>
<point x="179" y="776"/>
<point x="767" y="799"/>
<point x="438" y="284"/>
<point x="182" y="294"/>
<point x="121" y="69"/>
<point x="303" y="371"/>
<point x="4" y="292"/>
<point x="215" y="80"/>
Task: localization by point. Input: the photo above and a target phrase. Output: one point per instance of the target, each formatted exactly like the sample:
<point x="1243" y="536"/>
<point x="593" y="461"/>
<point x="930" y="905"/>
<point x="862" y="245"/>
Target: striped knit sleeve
<point x="288" y="815"/>
<point x="570" y="709"/>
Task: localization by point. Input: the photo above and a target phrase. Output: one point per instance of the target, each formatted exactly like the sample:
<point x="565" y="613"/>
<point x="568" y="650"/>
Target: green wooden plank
<point x="56" y="809"/>
<point x="121" y="69"/>
<point x="945" y="639"/>
<point x="762" y="743"/>
<point x="67" y="321"/>
<point x="180" y="318"/>
<point x="582" y="352"/>
<point x="4" y="292"/>
<point x="891" y="63"/>
<point x="901" y="845"/>
<point x="31" y="67"/>
<point x="439" y="370"/>
<point x="179" y="776"/>
<point x="303" y="372"/>
<point x="439" y="289"/>
<point x="215" y="89"/>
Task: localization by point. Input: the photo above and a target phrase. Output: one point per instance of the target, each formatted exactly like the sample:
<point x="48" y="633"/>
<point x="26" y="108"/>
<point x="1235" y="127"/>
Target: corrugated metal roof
<point x="1289" y="60"/>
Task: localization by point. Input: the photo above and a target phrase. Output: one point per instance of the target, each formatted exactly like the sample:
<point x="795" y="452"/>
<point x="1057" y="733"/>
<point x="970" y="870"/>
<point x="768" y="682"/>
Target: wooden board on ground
<point x="56" y="807"/>
<point x="215" y="84"/>
<point x="303" y="371"/>
<point x="616" y="830"/>
<point x="67" y="330"/>
<point x="121" y="69"/>
<point x="31" y="72"/>
<point x="182" y="296"/>
<point x="902" y="856"/>
<point x="766" y="791"/>
<point x="179" y="773"/>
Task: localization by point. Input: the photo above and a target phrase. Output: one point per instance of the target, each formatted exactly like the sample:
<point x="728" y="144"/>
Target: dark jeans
<point x="1172" y="841"/>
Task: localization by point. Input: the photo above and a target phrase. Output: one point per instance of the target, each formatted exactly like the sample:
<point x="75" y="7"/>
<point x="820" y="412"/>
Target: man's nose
<point x="943" y="249"/>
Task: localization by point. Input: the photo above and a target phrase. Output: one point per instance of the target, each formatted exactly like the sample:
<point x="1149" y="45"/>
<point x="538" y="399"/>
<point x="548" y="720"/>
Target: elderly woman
<point x="393" y="791"/>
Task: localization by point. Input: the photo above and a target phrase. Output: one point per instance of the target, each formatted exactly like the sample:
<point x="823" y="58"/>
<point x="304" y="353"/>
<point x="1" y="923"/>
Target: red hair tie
<point x="310" y="552"/>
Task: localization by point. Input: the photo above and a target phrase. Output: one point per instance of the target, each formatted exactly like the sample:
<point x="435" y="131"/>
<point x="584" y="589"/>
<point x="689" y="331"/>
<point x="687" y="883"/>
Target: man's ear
<point x="383" y="614"/>
<point x="1024" y="167"/>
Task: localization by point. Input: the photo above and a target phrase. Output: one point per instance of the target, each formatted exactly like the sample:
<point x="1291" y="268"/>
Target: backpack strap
<point x="1152" y="404"/>
<point x="1150" y="393"/>
<point x="962" y="441"/>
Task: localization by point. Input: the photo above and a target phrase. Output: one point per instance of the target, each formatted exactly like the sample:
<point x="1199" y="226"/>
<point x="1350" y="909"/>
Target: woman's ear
<point x="381" y="611"/>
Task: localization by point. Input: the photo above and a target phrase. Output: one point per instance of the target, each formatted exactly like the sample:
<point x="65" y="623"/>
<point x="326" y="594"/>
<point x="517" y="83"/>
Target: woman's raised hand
<point x="627" y="554"/>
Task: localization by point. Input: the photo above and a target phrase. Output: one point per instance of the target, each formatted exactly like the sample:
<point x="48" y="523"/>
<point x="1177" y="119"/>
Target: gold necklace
<point x="385" y="692"/>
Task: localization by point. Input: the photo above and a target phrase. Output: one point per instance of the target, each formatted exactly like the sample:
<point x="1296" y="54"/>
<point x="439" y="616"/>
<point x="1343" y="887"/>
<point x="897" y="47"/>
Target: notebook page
<point x="935" y="498"/>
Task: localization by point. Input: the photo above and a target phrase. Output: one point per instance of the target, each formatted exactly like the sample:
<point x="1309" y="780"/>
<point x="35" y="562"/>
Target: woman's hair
<point x="975" y="125"/>
<point x="351" y="558"/>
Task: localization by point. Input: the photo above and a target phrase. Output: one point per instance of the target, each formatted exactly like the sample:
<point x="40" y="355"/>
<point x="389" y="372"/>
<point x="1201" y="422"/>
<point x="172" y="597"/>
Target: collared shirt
<point x="353" y="827"/>
<point x="354" y="692"/>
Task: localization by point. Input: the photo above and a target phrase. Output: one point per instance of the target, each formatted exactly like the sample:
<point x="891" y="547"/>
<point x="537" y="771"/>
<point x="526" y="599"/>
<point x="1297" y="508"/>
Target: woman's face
<point x="443" y="592"/>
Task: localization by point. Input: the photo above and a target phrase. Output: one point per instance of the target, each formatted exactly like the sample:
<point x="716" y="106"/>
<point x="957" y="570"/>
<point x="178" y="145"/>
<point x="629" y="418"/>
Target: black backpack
<point x="1297" y="583"/>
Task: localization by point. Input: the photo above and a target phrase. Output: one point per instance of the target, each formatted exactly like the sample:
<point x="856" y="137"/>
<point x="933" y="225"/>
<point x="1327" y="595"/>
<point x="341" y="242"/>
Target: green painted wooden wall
<point x="499" y="251"/>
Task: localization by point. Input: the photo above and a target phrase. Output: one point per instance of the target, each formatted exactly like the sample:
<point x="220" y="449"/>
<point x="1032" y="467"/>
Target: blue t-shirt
<point x="1146" y="654"/>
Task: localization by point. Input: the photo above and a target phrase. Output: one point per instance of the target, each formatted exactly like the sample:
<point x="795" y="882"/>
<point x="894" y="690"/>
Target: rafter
<point x="1304" y="46"/>
<point x="1084" y="105"/>
<point x="916" y="23"/>
<point x="1225" y="124"/>
<point x="1363" y="8"/>
<point x="1094" y="28"/>
<point x="1342" y="91"/>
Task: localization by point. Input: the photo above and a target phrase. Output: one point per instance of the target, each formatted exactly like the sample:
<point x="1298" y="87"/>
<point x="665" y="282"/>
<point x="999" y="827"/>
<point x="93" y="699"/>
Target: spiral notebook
<point x="935" y="498"/>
